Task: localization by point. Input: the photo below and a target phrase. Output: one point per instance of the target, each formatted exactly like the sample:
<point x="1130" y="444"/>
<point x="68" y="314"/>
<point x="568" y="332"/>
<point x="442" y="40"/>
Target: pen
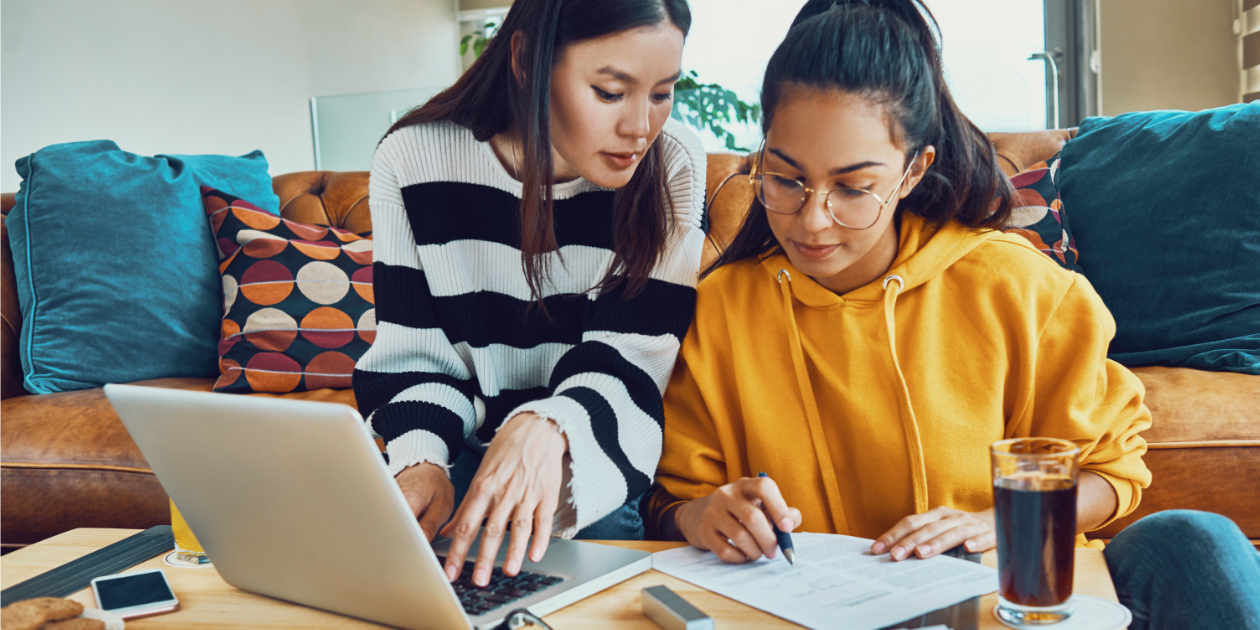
<point x="785" y="539"/>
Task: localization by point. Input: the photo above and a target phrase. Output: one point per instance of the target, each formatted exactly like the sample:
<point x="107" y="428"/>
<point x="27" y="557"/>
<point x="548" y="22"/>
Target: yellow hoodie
<point x="882" y="402"/>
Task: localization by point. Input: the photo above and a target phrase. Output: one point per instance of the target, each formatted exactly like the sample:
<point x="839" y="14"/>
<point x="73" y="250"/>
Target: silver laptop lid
<point x="315" y="519"/>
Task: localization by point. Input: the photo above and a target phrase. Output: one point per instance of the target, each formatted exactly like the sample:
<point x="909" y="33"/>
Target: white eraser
<point x="671" y="612"/>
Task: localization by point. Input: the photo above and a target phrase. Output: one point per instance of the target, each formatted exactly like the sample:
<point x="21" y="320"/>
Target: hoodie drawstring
<point x="811" y="411"/>
<point x="918" y="471"/>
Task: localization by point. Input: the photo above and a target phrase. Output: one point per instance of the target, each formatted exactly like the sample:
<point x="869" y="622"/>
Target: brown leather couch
<point x="67" y="461"/>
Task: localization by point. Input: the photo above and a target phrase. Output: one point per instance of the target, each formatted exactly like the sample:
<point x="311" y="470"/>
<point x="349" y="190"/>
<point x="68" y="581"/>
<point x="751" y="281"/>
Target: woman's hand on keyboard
<point x="429" y="494"/>
<point x="518" y="482"/>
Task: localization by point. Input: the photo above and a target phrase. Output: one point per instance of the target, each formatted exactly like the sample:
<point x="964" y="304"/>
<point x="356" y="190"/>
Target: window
<point x="986" y="45"/>
<point x="729" y="44"/>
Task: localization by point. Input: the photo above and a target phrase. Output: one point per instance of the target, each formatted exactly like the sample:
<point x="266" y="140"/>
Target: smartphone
<point x="135" y="594"/>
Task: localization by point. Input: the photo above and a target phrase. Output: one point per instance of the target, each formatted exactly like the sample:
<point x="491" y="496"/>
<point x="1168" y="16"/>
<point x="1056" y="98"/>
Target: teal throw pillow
<point x="116" y="268"/>
<point x="241" y="175"/>
<point x="1166" y="205"/>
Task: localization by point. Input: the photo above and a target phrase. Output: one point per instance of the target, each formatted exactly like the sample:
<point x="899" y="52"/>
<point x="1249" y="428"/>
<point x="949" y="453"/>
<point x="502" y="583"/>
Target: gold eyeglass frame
<point x="756" y="174"/>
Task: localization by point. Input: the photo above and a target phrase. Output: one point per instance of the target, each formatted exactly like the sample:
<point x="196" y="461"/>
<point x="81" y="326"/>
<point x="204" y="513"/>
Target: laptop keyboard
<point x="501" y="591"/>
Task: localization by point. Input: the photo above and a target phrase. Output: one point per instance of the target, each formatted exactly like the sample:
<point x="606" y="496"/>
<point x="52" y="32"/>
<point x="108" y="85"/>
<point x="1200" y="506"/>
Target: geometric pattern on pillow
<point x="298" y="307"/>
<point x="1044" y="224"/>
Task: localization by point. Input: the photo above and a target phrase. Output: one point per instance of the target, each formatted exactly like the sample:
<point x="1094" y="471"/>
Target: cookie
<point x="56" y="607"/>
<point x="78" y="623"/>
<point x="22" y="617"/>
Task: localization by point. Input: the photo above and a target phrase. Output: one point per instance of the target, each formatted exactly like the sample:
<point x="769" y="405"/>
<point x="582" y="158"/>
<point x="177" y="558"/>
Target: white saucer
<point x="1091" y="613"/>
<point x="112" y="621"/>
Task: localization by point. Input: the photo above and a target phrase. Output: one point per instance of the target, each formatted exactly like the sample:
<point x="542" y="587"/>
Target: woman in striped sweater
<point x="537" y="245"/>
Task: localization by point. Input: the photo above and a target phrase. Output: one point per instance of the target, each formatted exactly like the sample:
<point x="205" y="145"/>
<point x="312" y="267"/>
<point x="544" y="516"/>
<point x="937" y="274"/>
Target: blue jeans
<point x="1186" y="569"/>
<point x="623" y="523"/>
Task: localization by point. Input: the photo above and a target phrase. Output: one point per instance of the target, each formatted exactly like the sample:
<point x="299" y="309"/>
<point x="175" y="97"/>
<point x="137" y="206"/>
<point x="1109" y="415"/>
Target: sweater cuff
<point x="417" y="446"/>
<point x="593" y="485"/>
<point x="1127" y="496"/>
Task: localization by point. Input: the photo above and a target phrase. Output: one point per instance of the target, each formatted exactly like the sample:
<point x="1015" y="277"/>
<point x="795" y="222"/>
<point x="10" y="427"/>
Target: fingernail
<point x="772" y="554"/>
<point x="924" y="550"/>
<point x="513" y="566"/>
<point x="898" y="553"/>
<point x="970" y="545"/>
<point x="878" y="547"/>
<point x="536" y="556"/>
<point x="450" y="573"/>
<point x="482" y="577"/>
<point x="785" y="524"/>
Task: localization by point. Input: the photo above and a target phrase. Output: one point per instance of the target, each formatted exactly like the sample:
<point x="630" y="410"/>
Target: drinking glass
<point x="187" y="549"/>
<point x="1034" y="499"/>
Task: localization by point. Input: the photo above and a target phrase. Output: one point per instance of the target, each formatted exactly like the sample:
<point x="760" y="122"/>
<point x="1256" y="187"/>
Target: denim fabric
<point x="623" y="523"/>
<point x="1185" y="569"/>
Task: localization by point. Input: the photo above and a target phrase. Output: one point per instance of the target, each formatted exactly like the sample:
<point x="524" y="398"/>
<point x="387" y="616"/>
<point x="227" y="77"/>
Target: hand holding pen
<point x="738" y="520"/>
<point x="784" y="538"/>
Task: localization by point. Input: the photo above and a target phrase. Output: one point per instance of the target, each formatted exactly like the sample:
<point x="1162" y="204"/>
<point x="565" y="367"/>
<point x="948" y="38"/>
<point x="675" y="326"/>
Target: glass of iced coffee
<point x="1034" y="498"/>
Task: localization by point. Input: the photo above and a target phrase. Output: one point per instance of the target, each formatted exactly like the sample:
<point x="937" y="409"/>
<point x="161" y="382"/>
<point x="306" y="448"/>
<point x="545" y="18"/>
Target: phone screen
<point x="133" y="590"/>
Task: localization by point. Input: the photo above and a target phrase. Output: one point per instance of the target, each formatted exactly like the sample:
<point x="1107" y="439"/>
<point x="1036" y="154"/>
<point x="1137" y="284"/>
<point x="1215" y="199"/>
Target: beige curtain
<point x="1251" y="50"/>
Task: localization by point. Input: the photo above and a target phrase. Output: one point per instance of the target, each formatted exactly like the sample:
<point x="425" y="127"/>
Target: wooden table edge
<point x="616" y="607"/>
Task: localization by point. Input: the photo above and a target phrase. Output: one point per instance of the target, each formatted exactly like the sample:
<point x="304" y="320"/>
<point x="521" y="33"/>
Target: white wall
<point x="190" y="76"/>
<point x="1168" y="54"/>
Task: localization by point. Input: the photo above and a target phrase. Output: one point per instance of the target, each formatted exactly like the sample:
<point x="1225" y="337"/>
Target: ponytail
<point x="886" y="51"/>
<point x="889" y="50"/>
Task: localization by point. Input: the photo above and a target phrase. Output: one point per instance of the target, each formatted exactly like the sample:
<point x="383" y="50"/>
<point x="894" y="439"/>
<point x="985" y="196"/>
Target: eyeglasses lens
<point x="851" y="208"/>
<point x="780" y="194"/>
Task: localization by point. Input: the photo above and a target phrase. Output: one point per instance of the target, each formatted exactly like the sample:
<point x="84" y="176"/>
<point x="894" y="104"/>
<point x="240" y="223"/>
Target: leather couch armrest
<point x="1017" y="151"/>
<point x="11" y="327"/>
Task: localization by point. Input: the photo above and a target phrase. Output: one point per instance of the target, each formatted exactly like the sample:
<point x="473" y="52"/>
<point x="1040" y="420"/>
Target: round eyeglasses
<point x="853" y="208"/>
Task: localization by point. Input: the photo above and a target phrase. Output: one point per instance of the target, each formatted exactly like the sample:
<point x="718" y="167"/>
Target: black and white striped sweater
<point x="458" y="351"/>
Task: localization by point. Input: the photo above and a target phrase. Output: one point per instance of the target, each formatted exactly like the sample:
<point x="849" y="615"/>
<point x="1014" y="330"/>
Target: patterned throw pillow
<point x="1044" y="224"/>
<point x="298" y="308"/>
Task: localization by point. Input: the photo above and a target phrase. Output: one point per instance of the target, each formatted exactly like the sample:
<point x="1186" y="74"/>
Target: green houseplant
<point x="703" y="106"/>
<point x="711" y="106"/>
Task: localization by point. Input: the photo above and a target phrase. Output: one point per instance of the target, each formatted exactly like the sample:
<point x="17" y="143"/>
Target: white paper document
<point x="836" y="582"/>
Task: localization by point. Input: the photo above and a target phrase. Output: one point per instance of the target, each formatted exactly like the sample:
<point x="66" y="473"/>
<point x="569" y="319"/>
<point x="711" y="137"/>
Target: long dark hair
<point x="885" y="51"/>
<point x="489" y="99"/>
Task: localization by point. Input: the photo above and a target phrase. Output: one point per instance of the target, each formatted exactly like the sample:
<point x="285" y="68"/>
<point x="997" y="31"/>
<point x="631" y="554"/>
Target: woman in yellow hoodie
<point x="868" y="333"/>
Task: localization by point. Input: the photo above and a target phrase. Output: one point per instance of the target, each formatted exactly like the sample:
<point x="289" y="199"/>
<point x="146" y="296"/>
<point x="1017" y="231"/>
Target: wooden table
<point x="209" y="602"/>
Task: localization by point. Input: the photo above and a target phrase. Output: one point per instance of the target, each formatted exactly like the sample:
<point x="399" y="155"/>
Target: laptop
<point x="292" y="499"/>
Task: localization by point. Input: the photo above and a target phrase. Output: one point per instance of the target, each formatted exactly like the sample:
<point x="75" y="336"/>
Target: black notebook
<point x="76" y="575"/>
